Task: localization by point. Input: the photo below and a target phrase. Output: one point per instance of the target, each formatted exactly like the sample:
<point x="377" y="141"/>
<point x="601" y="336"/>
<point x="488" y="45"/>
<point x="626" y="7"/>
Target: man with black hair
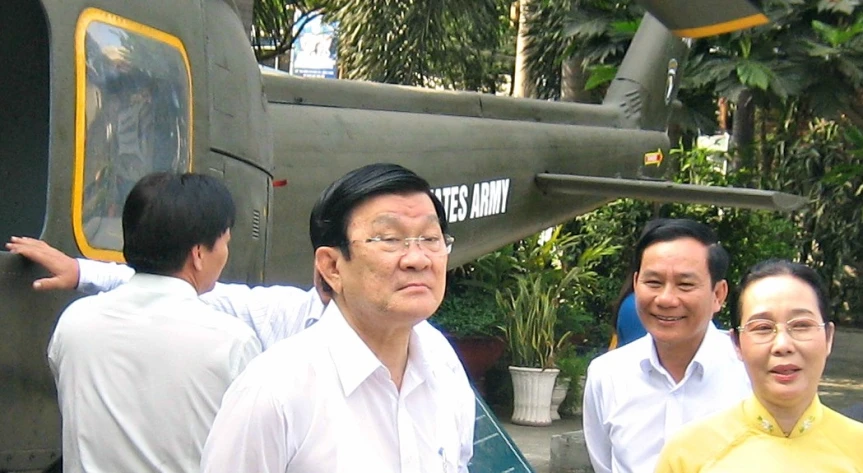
<point x="366" y="388"/>
<point x="637" y="396"/>
<point x="141" y="371"/>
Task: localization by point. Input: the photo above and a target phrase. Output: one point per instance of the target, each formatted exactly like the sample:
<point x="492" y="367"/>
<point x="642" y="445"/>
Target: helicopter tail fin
<point x="646" y="83"/>
<point x="700" y="18"/>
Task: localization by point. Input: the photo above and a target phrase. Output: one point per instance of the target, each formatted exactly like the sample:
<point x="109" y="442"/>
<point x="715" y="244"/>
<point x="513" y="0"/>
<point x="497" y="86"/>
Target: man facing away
<point x="141" y="371"/>
<point x="362" y="389"/>
<point x="637" y="396"/>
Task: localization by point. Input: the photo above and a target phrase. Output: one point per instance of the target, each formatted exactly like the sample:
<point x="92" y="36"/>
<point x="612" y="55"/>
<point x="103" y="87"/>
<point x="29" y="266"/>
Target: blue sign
<point x="314" y="52"/>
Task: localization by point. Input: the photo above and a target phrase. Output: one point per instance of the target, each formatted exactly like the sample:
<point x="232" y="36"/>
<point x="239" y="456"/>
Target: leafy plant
<point x="530" y="313"/>
<point x="547" y="290"/>
<point x="467" y="312"/>
<point x="571" y="364"/>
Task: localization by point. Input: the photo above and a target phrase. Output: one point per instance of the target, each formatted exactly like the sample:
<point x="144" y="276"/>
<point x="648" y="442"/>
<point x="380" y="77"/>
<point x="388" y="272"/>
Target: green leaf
<point x="839" y="6"/>
<point x="589" y="29"/>
<point x="626" y="27"/>
<point x="826" y="32"/>
<point x="814" y="49"/>
<point x="754" y="74"/>
<point x="600" y="75"/>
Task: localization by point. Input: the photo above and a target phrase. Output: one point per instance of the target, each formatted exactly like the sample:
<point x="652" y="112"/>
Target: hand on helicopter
<point x="63" y="268"/>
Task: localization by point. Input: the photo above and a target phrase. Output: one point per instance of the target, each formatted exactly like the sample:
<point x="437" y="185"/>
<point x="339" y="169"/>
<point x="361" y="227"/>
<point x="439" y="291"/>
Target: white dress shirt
<point x="322" y="402"/>
<point x="632" y="405"/>
<point x="278" y="312"/>
<point x="273" y="312"/>
<point x="140" y="374"/>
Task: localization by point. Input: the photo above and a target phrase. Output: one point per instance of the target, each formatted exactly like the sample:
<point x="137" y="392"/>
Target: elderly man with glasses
<point x="361" y="390"/>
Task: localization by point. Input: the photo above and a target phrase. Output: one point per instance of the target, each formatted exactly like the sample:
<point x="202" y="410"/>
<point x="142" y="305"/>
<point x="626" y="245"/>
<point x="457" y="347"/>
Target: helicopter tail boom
<point x="663" y="191"/>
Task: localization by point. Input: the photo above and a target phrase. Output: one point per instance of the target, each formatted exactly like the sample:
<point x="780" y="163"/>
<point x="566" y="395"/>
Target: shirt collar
<point x="355" y="362"/>
<point x="715" y="344"/>
<point x="759" y="418"/>
<point x="162" y="284"/>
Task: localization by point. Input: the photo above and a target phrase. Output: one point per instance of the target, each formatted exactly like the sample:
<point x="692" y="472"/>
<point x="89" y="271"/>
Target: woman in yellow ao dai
<point x="783" y="335"/>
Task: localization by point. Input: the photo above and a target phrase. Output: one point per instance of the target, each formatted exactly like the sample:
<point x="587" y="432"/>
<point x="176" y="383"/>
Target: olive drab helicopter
<point x="97" y="93"/>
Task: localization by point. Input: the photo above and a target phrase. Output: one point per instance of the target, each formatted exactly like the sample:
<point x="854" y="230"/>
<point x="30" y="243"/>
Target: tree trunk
<point x="522" y="84"/>
<point x="765" y="157"/>
<point x="743" y="130"/>
<point x="723" y="114"/>
<point x="573" y="80"/>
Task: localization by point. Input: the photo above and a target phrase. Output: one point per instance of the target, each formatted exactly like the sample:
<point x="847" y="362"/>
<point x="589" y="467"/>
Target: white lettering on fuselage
<point x="486" y="198"/>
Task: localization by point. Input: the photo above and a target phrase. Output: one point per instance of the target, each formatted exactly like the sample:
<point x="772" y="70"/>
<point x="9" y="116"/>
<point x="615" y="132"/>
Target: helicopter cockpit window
<point x="134" y="117"/>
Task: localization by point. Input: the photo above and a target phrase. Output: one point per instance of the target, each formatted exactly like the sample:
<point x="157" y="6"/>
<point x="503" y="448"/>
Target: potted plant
<point x="470" y="319"/>
<point x="530" y="312"/>
<point x="570" y="382"/>
<point x="545" y="286"/>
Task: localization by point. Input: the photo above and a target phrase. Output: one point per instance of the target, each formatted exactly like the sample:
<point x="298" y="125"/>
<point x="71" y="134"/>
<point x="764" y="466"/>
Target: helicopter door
<point x="30" y="433"/>
<point x="24" y="118"/>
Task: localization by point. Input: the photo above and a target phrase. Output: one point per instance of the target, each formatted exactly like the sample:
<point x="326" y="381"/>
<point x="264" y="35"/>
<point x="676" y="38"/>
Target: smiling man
<point x="363" y="389"/>
<point x="637" y="396"/>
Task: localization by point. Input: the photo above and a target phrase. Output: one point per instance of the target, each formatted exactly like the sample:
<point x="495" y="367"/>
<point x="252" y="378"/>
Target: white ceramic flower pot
<point x="532" y="389"/>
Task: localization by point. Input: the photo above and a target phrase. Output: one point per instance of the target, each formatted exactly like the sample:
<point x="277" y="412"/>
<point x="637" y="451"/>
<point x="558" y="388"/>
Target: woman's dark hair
<point x="626" y="289"/>
<point x="777" y="267"/>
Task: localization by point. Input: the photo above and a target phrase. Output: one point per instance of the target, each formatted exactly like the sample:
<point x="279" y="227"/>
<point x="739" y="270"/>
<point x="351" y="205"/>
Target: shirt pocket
<point x="447" y="446"/>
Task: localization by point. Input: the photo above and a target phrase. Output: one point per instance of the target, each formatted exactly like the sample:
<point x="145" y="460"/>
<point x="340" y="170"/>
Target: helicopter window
<point x="134" y="117"/>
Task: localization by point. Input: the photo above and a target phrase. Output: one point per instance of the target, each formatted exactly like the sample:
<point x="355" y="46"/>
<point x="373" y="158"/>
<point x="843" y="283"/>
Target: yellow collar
<point x="758" y="417"/>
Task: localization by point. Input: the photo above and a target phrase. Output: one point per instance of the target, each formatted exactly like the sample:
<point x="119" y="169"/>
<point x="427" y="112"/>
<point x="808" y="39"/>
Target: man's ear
<point x="720" y="293"/>
<point x="327" y="266"/>
<point x="197" y="257"/>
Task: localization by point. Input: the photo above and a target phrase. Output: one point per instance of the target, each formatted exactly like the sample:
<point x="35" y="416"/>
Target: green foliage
<point x="754" y="74"/>
<point x="618" y="225"/>
<point x="433" y="43"/>
<point x="600" y="74"/>
<point x="530" y="315"/>
<point x="543" y="296"/>
<point x="571" y="364"/>
<point x="825" y="163"/>
<point x="573" y="367"/>
<point x="467" y="312"/>
<point x="596" y="32"/>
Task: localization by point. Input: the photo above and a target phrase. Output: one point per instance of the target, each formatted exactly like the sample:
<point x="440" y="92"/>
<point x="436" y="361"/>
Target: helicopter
<point x="98" y="93"/>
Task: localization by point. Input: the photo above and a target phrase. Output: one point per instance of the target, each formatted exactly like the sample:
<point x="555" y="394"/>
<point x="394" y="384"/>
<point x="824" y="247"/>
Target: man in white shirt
<point x="141" y="371"/>
<point x="361" y="390"/>
<point x="637" y="396"/>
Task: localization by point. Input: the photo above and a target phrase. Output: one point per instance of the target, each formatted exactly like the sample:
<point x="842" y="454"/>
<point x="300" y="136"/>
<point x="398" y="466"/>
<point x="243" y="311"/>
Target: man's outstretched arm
<point x="273" y="312"/>
<point x="69" y="273"/>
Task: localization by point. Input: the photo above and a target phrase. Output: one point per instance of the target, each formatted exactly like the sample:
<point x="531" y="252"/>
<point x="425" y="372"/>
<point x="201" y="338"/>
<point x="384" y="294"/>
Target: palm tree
<point x="585" y="38"/>
<point x="438" y="43"/>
